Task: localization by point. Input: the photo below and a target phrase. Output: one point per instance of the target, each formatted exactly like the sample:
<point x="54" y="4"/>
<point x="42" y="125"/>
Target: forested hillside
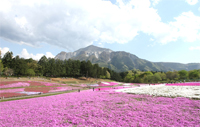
<point x="121" y="61"/>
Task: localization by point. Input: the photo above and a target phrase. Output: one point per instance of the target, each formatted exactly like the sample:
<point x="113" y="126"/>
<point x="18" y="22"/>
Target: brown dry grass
<point x="22" y="79"/>
<point x="56" y="80"/>
<point x="77" y="80"/>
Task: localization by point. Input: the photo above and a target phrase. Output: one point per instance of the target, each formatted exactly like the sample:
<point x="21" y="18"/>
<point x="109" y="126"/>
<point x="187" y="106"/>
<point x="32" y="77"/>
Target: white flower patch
<point x="168" y="91"/>
<point x="105" y="83"/>
<point x="127" y="84"/>
<point x="29" y="93"/>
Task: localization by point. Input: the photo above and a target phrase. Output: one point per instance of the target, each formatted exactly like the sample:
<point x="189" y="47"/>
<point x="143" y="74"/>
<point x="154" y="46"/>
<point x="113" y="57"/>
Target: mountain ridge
<point x="121" y="60"/>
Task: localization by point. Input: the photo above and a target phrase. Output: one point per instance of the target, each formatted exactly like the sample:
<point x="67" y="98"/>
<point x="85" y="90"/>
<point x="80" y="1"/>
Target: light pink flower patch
<point x="111" y="88"/>
<point x="49" y="84"/>
<point x="83" y="85"/>
<point x="12" y="90"/>
<point x="108" y="84"/>
<point x="19" y="84"/>
<point x="58" y="89"/>
<point x="63" y="84"/>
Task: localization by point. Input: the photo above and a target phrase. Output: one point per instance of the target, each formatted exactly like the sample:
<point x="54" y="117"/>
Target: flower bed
<point x="58" y="89"/>
<point x="33" y="87"/>
<point x="108" y="84"/>
<point x="168" y="91"/>
<point x="38" y="83"/>
<point x="185" y="84"/>
<point x="2" y="83"/>
<point x="100" y="109"/>
<point x="17" y="84"/>
<point x="111" y="88"/>
<point x="38" y="89"/>
<point x="12" y="90"/>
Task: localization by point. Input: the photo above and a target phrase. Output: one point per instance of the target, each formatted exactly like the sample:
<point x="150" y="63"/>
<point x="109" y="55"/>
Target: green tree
<point x="51" y="67"/>
<point x="145" y="74"/>
<point x="194" y="74"/>
<point x="7" y="59"/>
<point x="20" y="66"/>
<point x="30" y="72"/>
<point x="95" y="70"/>
<point x="162" y="75"/>
<point x="156" y="78"/>
<point x="148" y="79"/>
<point x="1" y="67"/>
<point x="76" y="68"/>
<point x="70" y="67"/>
<point x="83" y="68"/>
<point x="59" y="68"/>
<point x="129" y="77"/>
<point x="89" y="70"/>
<point x="66" y="67"/>
<point x="107" y="75"/>
<point x="172" y="75"/>
<point x="43" y="62"/>
<point x="8" y="71"/>
<point x="138" y="79"/>
<point x="116" y="76"/>
<point x="183" y="74"/>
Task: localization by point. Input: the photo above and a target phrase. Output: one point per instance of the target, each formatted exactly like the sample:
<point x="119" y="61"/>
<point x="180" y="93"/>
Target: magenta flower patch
<point x="98" y="109"/>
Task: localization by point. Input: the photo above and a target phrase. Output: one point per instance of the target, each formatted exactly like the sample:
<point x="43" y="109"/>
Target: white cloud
<point x="49" y="55"/>
<point x="195" y="48"/>
<point x="151" y="39"/>
<point x="26" y="55"/>
<point x="75" y="24"/>
<point x="199" y="8"/>
<point x="155" y="2"/>
<point x="187" y="26"/>
<point x="5" y="6"/>
<point x="4" y="51"/>
<point x="192" y="2"/>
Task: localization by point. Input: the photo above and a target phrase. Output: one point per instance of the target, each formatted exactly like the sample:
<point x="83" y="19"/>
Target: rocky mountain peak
<point x="121" y="61"/>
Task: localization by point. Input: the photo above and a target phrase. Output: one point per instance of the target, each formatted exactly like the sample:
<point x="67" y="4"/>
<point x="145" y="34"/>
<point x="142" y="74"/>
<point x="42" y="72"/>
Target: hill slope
<point x="122" y="61"/>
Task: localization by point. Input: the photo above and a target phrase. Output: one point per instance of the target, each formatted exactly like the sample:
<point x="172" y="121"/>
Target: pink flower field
<point x="93" y="108"/>
<point x="108" y="84"/>
<point x="8" y="89"/>
<point x="58" y="89"/>
<point x="111" y="88"/>
<point x="17" y="84"/>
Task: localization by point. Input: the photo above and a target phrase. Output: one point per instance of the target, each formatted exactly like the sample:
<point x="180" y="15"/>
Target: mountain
<point x="122" y="61"/>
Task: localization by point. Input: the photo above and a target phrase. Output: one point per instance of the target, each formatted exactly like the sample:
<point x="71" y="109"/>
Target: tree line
<point x="138" y="76"/>
<point x="50" y="67"/>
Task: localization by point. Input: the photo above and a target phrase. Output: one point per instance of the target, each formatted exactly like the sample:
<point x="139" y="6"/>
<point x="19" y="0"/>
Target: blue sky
<point x="155" y="30"/>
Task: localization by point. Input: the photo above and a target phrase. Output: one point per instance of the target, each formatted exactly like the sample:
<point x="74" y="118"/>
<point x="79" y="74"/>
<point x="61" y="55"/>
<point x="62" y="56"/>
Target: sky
<point x="155" y="30"/>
